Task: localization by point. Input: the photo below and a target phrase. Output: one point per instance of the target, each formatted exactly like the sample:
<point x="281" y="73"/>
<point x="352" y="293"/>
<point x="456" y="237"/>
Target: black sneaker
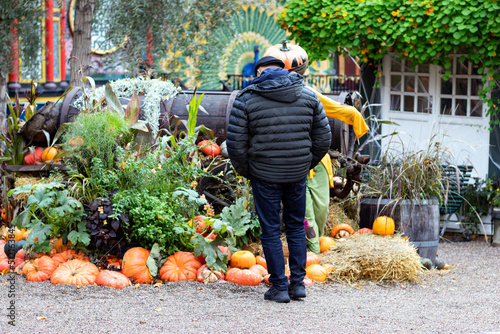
<point x="297" y="291"/>
<point x="279" y="296"/>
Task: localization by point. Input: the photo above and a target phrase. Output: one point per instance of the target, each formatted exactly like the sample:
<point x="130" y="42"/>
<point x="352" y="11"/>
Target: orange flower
<point x="368" y="30"/>
<point x="430" y="10"/>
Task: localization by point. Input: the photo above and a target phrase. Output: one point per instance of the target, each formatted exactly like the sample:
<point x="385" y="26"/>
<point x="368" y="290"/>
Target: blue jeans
<point x="268" y="198"/>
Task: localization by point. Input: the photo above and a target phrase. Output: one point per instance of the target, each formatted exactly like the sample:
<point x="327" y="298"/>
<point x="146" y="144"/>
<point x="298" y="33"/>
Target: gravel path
<point x="464" y="299"/>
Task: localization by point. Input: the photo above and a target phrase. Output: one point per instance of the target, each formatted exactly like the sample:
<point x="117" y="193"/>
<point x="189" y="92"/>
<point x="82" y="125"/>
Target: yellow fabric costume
<point x="318" y="196"/>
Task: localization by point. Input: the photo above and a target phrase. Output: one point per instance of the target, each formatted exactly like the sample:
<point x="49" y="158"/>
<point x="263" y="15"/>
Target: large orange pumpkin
<point x="337" y="230"/>
<point x="134" y="265"/>
<point x="49" y="153"/>
<point x="243" y="277"/>
<point x="383" y="225"/>
<point x="41" y="269"/>
<point x="292" y="55"/>
<point x="182" y="266"/>
<point x="242" y="259"/>
<point x="325" y="243"/>
<point x="75" y="272"/>
<point x="113" y="279"/>
<point x="316" y="272"/>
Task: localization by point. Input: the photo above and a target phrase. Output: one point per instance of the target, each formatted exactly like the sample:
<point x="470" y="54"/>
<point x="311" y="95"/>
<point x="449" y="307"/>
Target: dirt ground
<point x="463" y="299"/>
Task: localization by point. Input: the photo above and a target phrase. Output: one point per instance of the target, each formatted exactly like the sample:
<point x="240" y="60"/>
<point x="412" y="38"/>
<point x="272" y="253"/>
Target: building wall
<point x="427" y="109"/>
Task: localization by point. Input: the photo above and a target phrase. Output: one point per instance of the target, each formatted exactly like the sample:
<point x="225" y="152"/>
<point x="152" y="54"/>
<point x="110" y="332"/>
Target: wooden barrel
<point x="218" y="106"/>
<point x="418" y="221"/>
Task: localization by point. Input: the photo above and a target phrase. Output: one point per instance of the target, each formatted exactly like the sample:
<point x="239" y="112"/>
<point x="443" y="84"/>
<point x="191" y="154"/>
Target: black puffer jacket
<point x="277" y="130"/>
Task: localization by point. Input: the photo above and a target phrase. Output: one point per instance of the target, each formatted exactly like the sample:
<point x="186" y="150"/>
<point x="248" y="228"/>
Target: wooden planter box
<point x="43" y="169"/>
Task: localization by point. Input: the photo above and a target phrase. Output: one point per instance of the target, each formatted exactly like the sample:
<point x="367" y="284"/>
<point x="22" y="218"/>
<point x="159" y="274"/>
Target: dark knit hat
<point x="268" y="60"/>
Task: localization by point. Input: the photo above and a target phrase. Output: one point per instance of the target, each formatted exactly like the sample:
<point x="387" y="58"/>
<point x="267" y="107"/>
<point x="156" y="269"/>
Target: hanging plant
<point x="419" y="31"/>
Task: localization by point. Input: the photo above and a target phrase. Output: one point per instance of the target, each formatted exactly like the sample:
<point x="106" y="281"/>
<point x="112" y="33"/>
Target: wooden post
<point x="62" y="44"/>
<point x="49" y="44"/>
<point x="14" y="70"/>
<point x="149" y="47"/>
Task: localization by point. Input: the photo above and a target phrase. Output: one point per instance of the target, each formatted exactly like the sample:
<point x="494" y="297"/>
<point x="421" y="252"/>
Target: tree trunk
<point x="3" y="101"/>
<point x="84" y="10"/>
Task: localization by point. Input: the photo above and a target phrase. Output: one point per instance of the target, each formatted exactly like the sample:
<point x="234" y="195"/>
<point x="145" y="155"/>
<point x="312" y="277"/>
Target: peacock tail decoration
<point x="253" y="29"/>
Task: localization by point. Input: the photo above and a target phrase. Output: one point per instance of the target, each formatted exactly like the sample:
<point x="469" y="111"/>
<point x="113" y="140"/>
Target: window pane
<point x="423" y="85"/>
<point x="396" y="102"/>
<point x="424" y="68"/>
<point x="475" y="67"/>
<point x="461" y="87"/>
<point x="396" y="65"/>
<point x="445" y="107"/>
<point x="409" y="103"/>
<point x="462" y="68"/>
<point x="476" y="85"/>
<point x="396" y="83"/>
<point x="476" y="108"/>
<point x="424" y="105"/>
<point x="446" y="87"/>
<point x="409" y="84"/>
<point x="460" y="107"/>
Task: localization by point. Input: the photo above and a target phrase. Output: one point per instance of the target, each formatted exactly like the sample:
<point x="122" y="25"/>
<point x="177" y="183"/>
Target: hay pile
<point x="375" y="258"/>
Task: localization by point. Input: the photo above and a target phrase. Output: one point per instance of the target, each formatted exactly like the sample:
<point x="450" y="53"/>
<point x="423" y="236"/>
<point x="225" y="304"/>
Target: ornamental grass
<point x="374" y="258"/>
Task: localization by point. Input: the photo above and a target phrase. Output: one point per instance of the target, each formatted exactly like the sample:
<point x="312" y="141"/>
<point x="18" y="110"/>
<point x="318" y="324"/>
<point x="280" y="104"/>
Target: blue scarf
<point x="270" y="74"/>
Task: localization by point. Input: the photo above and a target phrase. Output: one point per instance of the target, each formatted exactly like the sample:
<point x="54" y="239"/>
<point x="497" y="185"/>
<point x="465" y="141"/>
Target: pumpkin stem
<point x="285" y="46"/>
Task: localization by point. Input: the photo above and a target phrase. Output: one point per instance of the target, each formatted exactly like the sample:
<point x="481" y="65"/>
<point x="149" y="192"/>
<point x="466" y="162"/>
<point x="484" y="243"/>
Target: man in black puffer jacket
<point x="277" y="132"/>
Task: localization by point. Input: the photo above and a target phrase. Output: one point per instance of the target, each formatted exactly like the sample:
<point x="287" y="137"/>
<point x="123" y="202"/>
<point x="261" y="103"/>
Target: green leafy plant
<point x="245" y="224"/>
<point x="479" y="199"/>
<point x="151" y="219"/>
<point x="50" y="213"/>
<point x="191" y="199"/>
<point x="209" y="246"/>
<point x="12" y="142"/>
<point x="419" y="31"/>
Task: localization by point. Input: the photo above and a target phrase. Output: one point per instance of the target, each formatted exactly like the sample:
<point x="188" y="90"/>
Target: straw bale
<point x="373" y="257"/>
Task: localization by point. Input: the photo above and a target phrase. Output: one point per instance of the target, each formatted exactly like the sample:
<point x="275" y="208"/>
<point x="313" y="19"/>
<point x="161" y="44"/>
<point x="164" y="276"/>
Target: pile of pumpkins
<point x="67" y="266"/>
<point x="40" y="155"/>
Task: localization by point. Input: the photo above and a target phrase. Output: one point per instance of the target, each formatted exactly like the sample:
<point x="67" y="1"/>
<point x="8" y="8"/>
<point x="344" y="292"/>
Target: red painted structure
<point x="14" y="71"/>
<point x="52" y="70"/>
<point x="49" y="44"/>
